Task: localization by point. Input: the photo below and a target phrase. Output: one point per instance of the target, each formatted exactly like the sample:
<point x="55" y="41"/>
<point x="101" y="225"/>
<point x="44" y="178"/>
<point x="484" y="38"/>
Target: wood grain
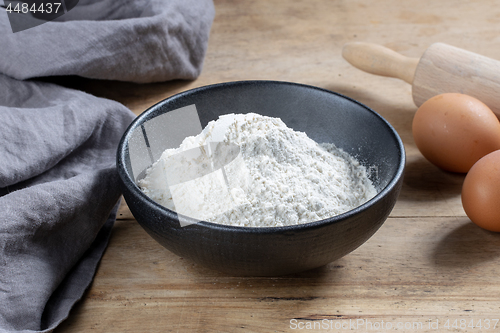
<point x="379" y="60"/>
<point x="444" y="68"/>
<point x="427" y="263"/>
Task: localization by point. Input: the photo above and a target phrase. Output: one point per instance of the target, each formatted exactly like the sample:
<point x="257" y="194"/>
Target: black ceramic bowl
<point x="326" y="117"/>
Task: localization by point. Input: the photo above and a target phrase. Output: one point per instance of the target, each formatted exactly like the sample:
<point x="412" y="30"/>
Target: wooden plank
<point x="439" y="268"/>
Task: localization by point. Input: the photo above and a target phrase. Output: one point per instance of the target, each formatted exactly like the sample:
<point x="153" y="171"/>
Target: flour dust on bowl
<point x="259" y="246"/>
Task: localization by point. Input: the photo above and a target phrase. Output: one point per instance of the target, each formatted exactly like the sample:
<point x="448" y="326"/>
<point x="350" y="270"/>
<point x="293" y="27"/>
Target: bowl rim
<point x="130" y="184"/>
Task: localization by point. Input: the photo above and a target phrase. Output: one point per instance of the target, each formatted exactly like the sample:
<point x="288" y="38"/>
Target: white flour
<point x="278" y="177"/>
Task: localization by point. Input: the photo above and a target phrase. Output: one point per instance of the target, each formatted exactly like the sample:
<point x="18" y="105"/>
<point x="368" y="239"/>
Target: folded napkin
<point x="58" y="182"/>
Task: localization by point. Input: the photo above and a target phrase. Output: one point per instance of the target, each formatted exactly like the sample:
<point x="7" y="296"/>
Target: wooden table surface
<point x="428" y="265"/>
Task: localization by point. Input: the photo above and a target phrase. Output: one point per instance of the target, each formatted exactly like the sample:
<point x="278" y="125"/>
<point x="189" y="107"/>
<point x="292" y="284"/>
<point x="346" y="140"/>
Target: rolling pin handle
<point x="379" y="60"/>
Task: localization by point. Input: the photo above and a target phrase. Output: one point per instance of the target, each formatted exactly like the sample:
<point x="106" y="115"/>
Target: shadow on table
<point x="304" y="286"/>
<point x="425" y="182"/>
<point x="466" y="246"/>
<point x="135" y="96"/>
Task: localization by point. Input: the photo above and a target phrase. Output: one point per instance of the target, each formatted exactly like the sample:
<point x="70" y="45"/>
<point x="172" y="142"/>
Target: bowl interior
<point x="324" y="115"/>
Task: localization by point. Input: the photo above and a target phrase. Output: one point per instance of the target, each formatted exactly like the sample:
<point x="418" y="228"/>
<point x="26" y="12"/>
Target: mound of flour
<point x="251" y="170"/>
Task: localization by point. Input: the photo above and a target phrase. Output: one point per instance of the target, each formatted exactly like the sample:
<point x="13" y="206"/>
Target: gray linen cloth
<point x="58" y="182"/>
<point x="129" y="40"/>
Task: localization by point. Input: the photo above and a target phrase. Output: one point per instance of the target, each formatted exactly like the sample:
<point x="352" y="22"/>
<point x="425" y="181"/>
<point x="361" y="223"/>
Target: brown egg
<point x="453" y="131"/>
<point x="481" y="192"/>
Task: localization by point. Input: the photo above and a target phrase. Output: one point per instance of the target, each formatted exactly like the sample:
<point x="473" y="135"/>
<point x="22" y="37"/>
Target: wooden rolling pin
<point x="441" y="69"/>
